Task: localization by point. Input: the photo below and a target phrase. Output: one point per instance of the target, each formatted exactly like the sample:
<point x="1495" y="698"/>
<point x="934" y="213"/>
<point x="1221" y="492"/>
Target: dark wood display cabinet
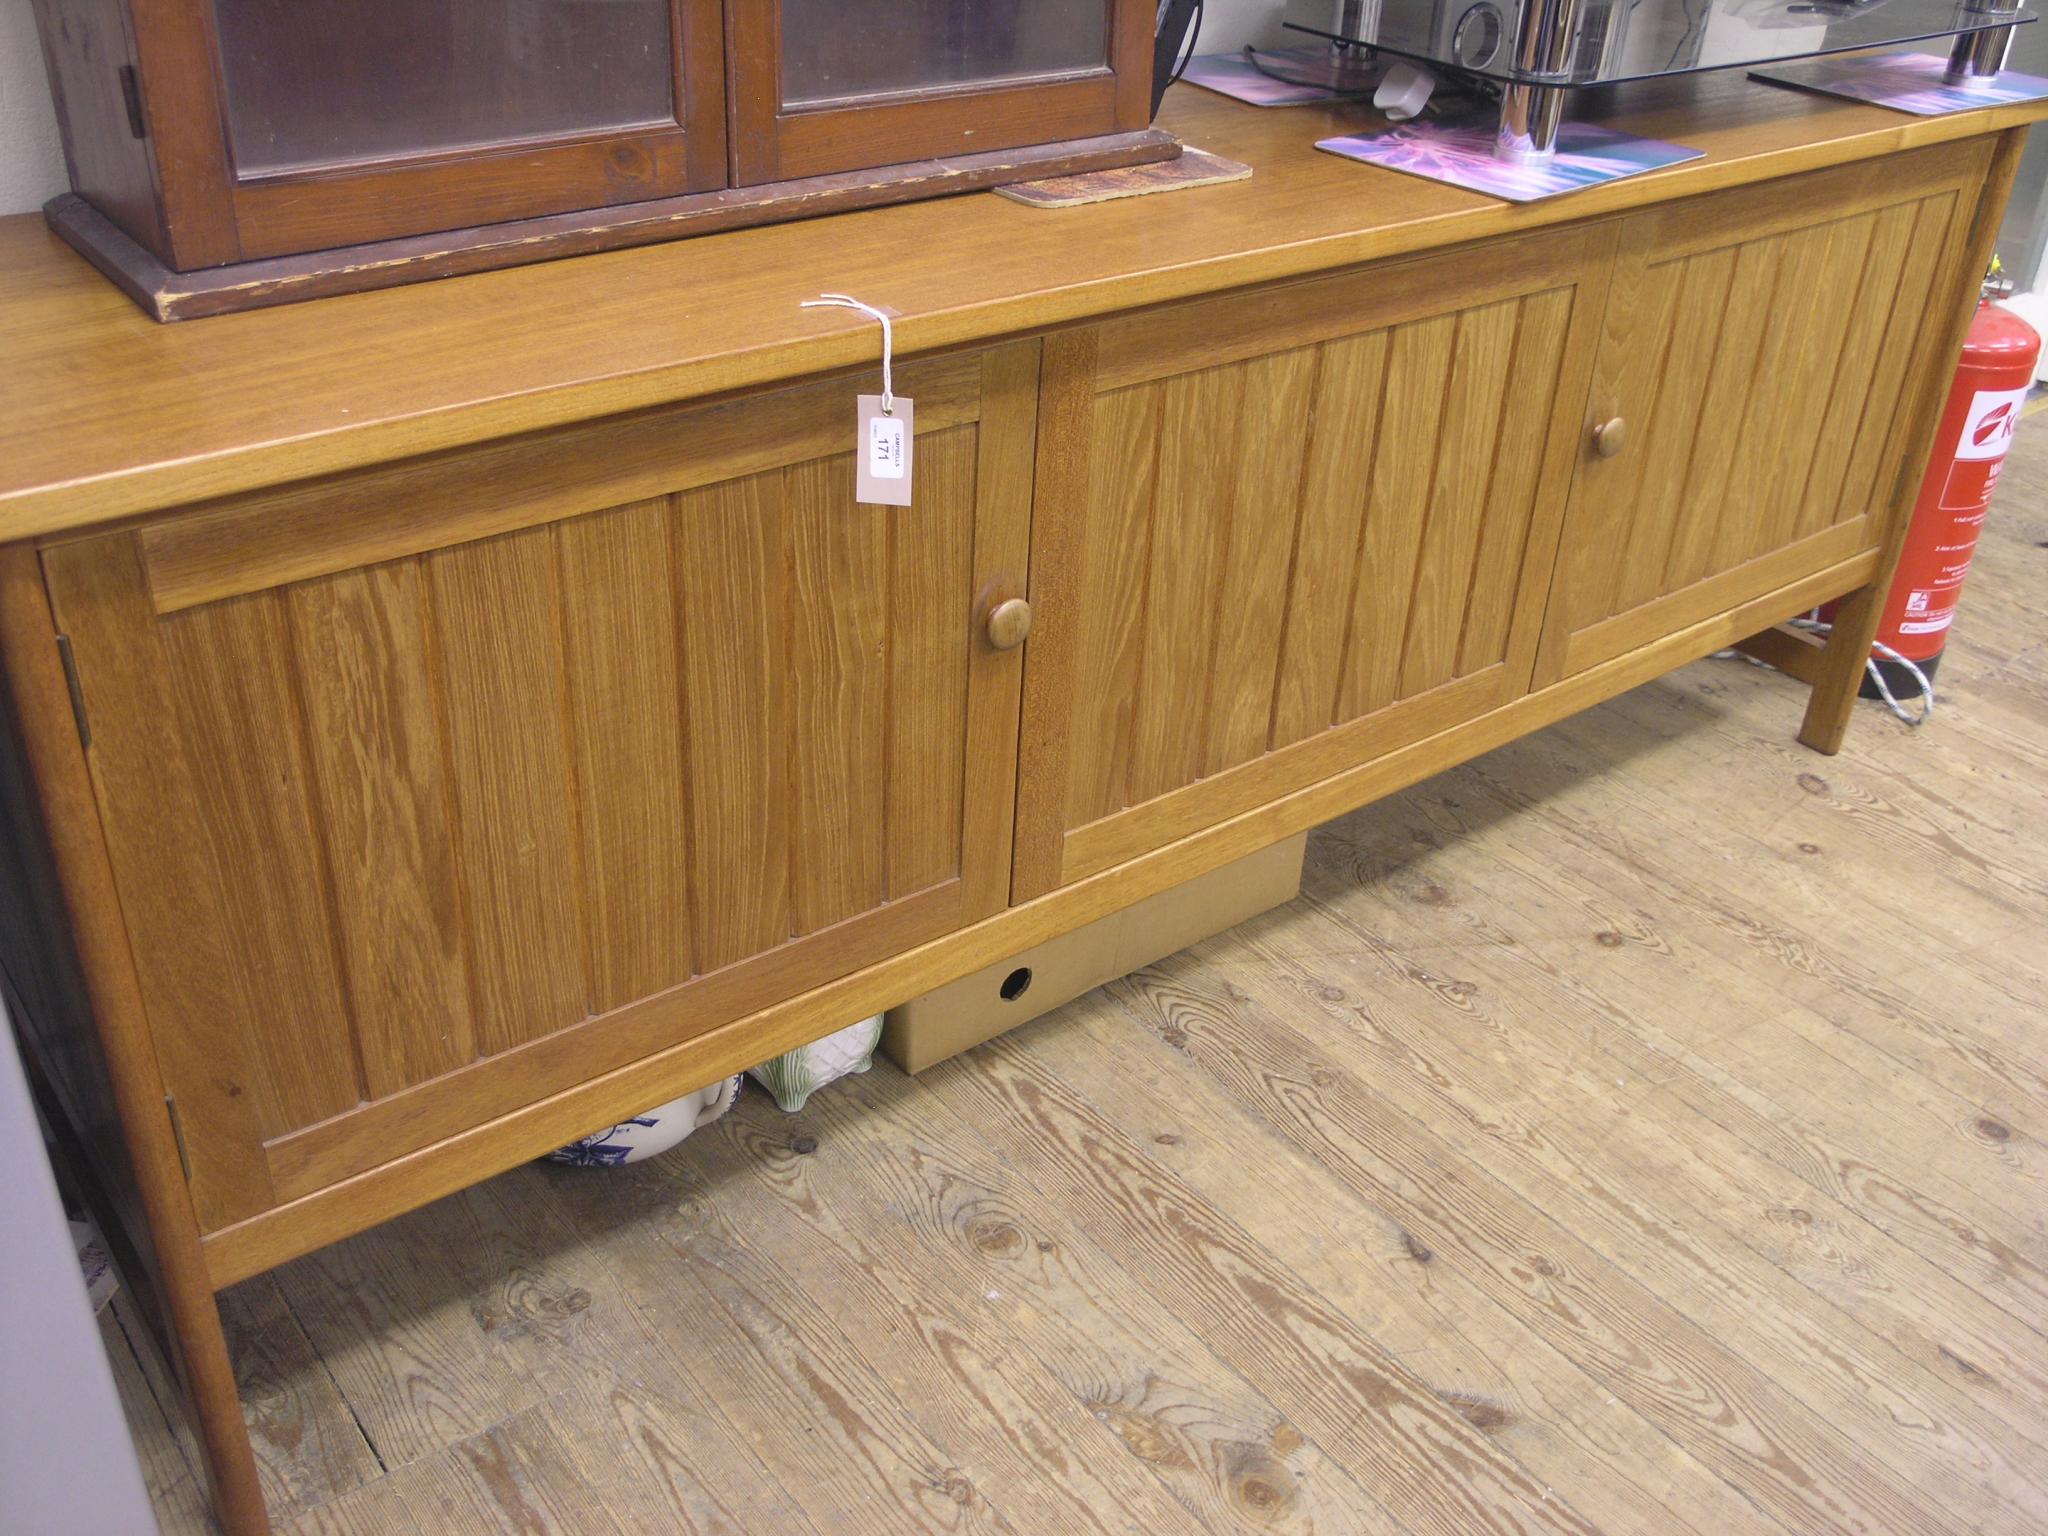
<point x="226" y="154"/>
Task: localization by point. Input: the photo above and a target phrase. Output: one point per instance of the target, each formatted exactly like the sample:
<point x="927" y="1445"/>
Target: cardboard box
<point x="960" y="1015"/>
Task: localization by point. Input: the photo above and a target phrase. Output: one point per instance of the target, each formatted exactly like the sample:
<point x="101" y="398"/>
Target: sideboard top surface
<point x="105" y="414"/>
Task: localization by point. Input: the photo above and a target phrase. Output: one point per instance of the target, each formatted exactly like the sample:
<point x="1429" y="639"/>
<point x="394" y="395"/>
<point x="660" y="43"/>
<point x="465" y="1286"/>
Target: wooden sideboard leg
<point x="63" y="784"/>
<point x="1838" y="673"/>
<point x="1856" y="616"/>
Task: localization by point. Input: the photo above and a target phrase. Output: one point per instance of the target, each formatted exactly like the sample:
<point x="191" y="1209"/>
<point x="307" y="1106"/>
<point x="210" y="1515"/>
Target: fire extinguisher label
<point x="1988" y="429"/>
<point x="1922" y="618"/>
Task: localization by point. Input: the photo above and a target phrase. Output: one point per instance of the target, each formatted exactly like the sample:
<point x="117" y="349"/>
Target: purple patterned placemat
<point x="1905" y="82"/>
<point x="1461" y="154"/>
<point x="1315" y="75"/>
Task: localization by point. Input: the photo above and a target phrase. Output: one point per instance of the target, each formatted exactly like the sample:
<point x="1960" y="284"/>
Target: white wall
<point x="67" y="1466"/>
<point x="32" y="164"/>
<point x="1229" y="26"/>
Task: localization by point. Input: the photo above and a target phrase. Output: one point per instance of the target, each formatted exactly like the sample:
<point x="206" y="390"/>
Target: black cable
<point x="1194" y="37"/>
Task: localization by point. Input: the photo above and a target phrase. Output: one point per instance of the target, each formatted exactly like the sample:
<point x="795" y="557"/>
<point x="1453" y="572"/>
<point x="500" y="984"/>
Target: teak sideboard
<point x="451" y="719"/>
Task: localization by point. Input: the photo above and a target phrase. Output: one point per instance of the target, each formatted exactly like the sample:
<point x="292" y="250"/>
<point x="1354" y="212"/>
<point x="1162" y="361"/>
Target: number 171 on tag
<point x="883" y="458"/>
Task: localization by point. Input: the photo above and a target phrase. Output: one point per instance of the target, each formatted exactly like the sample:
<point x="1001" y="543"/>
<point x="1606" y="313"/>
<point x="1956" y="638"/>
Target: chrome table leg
<point x="1981" y="55"/>
<point x="1531" y="113"/>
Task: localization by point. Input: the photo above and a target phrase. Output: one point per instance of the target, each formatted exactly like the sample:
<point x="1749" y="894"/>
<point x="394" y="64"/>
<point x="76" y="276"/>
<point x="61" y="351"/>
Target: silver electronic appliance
<point x="1535" y="51"/>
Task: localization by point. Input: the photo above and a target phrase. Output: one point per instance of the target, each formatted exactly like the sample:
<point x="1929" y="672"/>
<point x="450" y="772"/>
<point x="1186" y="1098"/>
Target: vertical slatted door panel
<point x="374" y="739"/>
<point x="215" y="1065"/>
<point x="1279" y="561"/>
<point x="1755" y="346"/>
<point x="496" y="616"/>
<point x="838" y="625"/>
<point x="927" y="562"/>
<point x="619" y="622"/>
<point x="731" y="564"/>
<point x="409" y="845"/>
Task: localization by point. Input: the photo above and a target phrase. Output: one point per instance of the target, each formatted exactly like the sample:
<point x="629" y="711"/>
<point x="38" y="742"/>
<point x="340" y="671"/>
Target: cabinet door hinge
<point x="178" y="1134"/>
<point x="77" y="693"/>
<point x="131" y="97"/>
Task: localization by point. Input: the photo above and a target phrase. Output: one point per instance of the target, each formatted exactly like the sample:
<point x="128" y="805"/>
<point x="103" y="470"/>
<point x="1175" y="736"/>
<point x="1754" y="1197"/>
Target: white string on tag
<point x="847" y="301"/>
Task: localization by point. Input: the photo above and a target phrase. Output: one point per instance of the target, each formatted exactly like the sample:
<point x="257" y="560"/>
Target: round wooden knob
<point x="1610" y="437"/>
<point x="1009" y="622"/>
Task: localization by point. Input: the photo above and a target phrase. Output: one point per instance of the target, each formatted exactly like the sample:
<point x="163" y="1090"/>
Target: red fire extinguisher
<point x="1984" y="407"/>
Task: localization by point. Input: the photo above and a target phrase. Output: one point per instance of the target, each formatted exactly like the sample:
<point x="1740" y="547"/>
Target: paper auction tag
<point x="883" y="458"/>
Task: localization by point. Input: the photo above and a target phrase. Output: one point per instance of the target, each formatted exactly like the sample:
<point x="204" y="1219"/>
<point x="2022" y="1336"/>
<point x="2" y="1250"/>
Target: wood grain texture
<point x="175" y="905"/>
<point x="341" y="205"/>
<point x="1396" y="511"/>
<point x="938" y="1353"/>
<point x="374" y="737"/>
<point x="1403" y="1439"/>
<point x="103" y="423"/>
<point x="1842" y="1377"/>
<point x="1107" y="607"/>
<point x="861" y="698"/>
<point x="178" y="1291"/>
<point x="1057" y="529"/>
<point x="1623" y="1473"/>
<point x="1739" y="345"/>
<point x="247" y="543"/>
<point x="199" y="293"/>
<point x="1700" y="1389"/>
<point x="839" y="618"/>
<point x="731" y="569"/>
<point x="1575" y="1037"/>
<point x="1968" y="233"/>
<point x="1237" y="598"/>
<point x="1194" y="501"/>
<point x="730" y="1310"/>
<point x="1002" y="555"/>
<point x="1836" y="1254"/>
<point x="1532" y="459"/>
<point x="676" y="1042"/>
<point x="494" y="661"/>
<point x="1460" y="498"/>
<point x="232" y="672"/>
<point x="87" y="44"/>
<point x="1888" y="272"/>
<point x="495" y="612"/>
<point x="1266" y="489"/>
<point x="507" y="814"/>
<point x="618" y="597"/>
<point x="994" y="1252"/>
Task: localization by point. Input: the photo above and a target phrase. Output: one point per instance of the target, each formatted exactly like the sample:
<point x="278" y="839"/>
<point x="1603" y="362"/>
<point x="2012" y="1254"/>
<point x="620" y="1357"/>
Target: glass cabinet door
<point x="844" y="50"/>
<point x="368" y="119"/>
<point x="831" y="85"/>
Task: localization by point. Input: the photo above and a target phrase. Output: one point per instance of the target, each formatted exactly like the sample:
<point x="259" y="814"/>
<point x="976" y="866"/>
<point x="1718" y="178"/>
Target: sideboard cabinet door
<point x="440" y="789"/>
<point x="1756" y="352"/>
<point x="1280" y="533"/>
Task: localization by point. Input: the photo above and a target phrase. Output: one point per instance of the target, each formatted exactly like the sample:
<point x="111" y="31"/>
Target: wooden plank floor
<point x="1639" y="1130"/>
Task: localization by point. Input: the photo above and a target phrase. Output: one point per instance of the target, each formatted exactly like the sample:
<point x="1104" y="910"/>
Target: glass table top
<point x="1634" y="39"/>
